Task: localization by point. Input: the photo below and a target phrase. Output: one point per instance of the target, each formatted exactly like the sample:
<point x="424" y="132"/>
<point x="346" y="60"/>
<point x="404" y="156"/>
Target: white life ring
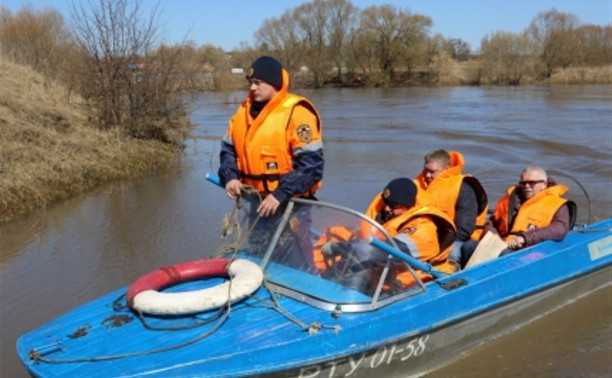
<point x="245" y="278"/>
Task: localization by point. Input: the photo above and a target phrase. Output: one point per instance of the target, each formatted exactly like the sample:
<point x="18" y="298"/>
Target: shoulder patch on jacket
<point x="304" y="133"/>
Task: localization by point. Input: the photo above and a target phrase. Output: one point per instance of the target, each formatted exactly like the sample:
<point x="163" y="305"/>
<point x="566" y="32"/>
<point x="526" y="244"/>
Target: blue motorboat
<point x="297" y="307"/>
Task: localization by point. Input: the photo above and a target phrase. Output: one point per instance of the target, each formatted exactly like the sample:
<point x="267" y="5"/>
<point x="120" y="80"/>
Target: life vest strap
<point x="264" y="178"/>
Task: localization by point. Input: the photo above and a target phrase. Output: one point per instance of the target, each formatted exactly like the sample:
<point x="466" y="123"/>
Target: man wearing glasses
<point x="529" y="213"/>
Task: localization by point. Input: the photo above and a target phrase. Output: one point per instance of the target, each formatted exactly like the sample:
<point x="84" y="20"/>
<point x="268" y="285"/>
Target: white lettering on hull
<point x="384" y="355"/>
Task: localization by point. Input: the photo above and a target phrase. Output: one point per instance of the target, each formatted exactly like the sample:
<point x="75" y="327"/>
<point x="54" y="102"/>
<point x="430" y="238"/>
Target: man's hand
<point x="232" y="188"/>
<point x="329" y="249"/>
<point x="268" y="206"/>
<point x="517" y="242"/>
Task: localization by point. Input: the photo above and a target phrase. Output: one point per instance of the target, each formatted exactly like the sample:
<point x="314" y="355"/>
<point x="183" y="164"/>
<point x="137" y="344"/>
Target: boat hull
<point x="422" y="353"/>
<point x="408" y="337"/>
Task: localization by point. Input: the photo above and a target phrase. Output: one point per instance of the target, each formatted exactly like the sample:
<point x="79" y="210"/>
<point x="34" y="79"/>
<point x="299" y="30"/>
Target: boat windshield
<point x="319" y="253"/>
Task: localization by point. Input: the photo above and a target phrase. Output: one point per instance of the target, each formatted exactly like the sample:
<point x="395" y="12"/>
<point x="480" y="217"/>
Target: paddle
<point x="214" y="179"/>
<point x="417" y="264"/>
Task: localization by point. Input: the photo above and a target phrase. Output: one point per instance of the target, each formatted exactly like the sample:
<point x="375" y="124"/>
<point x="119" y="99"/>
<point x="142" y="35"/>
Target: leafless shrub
<point x="593" y="45"/>
<point x="553" y="33"/>
<point x="582" y="75"/>
<point x="38" y="39"/>
<point x="506" y="58"/>
<point x="444" y="70"/>
<point x="134" y="87"/>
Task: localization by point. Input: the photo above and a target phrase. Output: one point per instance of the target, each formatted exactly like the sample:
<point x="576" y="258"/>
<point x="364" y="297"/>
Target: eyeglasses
<point x="530" y="182"/>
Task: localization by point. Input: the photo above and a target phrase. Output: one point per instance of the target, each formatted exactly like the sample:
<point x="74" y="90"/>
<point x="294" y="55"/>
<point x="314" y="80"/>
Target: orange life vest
<point x="265" y="145"/>
<point x="444" y="190"/>
<point x="536" y="212"/>
<point x="332" y="234"/>
<point x="431" y="230"/>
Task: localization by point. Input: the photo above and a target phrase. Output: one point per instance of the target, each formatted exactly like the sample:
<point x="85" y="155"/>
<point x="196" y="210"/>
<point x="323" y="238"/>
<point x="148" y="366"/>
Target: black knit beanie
<point x="267" y="69"/>
<point x="400" y="191"/>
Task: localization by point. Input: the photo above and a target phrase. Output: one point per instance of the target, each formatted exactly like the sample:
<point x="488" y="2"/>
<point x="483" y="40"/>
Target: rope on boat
<point x="231" y="225"/>
<point x="313" y="328"/>
<point x="223" y="313"/>
<point x="36" y="357"/>
<point x="197" y="323"/>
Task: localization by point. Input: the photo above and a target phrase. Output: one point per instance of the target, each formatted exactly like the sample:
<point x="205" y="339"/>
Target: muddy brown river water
<point x="73" y="252"/>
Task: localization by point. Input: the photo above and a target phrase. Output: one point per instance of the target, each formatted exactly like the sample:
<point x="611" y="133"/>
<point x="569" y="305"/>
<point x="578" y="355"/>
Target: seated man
<point x="460" y="196"/>
<point x="529" y="213"/>
<point x="420" y="229"/>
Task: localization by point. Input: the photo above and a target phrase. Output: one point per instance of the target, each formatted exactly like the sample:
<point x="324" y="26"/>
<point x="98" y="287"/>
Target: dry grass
<point x="582" y="75"/>
<point x="471" y="73"/>
<point x="48" y="151"/>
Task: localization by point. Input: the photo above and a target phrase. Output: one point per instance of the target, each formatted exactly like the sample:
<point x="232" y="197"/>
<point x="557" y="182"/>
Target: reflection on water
<point x="73" y="252"/>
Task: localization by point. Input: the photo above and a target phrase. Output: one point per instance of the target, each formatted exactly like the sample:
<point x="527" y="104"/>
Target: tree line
<point x="387" y="45"/>
<point x="110" y="54"/>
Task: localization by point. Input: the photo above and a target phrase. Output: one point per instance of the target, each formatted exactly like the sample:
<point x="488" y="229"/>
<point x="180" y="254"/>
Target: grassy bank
<point x="49" y="150"/>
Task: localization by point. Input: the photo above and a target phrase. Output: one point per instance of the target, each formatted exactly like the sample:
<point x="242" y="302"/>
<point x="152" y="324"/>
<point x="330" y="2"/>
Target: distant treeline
<point x="111" y="55"/>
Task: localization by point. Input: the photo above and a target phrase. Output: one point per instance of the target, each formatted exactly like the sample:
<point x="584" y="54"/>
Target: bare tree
<point x="133" y="85"/>
<point x="396" y="34"/>
<point x="324" y="28"/>
<point x="342" y="18"/>
<point x="39" y="39"/>
<point x="506" y="57"/>
<point x="280" y="37"/>
<point x="442" y="66"/>
<point x="460" y="50"/>
<point x="5" y="15"/>
<point x="312" y="20"/>
<point x="593" y="45"/>
<point x="553" y="31"/>
<point x="243" y="56"/>
<point x="365" y="53"/>
<point x="313" y="35"/>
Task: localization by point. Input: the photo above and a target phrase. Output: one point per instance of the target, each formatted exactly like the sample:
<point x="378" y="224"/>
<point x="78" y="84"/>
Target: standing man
<point x="460" y="196"/>
<point x="273" y="141"/>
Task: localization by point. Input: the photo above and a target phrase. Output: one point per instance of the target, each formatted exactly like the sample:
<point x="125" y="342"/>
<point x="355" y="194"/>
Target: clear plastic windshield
<point x="319" y="253"/>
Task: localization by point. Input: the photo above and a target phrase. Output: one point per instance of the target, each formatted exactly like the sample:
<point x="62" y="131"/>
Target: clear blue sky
<point x="225" y="23"/>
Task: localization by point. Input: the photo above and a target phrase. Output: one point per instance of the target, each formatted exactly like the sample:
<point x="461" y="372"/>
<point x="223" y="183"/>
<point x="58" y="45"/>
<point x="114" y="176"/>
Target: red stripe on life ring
<point x="174" y="274"/>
